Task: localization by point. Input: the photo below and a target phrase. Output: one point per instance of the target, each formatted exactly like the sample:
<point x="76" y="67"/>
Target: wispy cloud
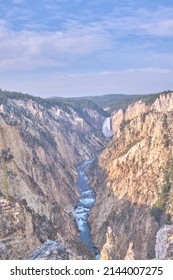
<point x="38" y="49"/>
<point x="49" y="48"/>
<point x="141" y="22"/>
<point x="18" y="1"/>
<point x="104" y="44"/>
<point x="162" y="28"/>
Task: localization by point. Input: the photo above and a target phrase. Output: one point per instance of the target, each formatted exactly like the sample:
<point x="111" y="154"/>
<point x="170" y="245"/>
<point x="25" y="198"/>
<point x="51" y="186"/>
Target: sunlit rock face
<point x="107" y="252"/>
<point x="107" y="128"/>
<point x="40" y="149"/>
<point x="133" y="179"/>
<point x="130" y="254"/>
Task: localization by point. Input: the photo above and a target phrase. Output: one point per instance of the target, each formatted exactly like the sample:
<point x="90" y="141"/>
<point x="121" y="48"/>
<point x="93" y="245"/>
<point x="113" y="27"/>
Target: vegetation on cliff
<point x="159" y="209"/>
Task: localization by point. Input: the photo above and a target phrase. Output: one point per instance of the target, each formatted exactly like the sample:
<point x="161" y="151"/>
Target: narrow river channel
<point x="84" y="204"/>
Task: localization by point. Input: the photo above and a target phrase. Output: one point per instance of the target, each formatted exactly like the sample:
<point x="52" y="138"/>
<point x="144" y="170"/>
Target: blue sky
<point x="86" y="47"/>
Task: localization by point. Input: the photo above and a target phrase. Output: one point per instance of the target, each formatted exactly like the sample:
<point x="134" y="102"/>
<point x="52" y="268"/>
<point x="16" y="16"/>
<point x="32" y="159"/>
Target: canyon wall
<point x="133" y="181"/>
<point x="40" y="148"/>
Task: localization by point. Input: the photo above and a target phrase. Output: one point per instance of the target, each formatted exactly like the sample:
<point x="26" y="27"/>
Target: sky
<point x="86" y="47"/>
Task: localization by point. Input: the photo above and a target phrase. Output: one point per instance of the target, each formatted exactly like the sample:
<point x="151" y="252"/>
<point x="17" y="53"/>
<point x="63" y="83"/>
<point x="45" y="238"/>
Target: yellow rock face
<point x="130" y="181"/>
<point x="40" y="149"/>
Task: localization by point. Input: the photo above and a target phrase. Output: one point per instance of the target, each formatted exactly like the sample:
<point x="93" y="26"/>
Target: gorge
<point x="83" y="207"/>
<point x="46" y="152"/>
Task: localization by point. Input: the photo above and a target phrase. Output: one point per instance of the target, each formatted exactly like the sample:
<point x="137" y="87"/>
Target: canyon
<point x="41" y="147"/>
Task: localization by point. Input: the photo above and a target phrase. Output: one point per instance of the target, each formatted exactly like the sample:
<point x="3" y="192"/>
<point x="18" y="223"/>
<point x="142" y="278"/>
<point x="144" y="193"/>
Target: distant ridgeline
<point x="104" y="104"/>
<point x="76" y="103"/>
<point x="114" y="102"/>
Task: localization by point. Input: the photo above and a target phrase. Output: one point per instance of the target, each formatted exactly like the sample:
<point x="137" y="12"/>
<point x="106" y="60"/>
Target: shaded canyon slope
<point x="133" y="181"/>
<point x="40" y="148"/>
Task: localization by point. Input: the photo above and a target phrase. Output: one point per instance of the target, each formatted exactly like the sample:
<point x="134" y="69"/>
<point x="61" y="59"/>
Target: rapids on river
<point x="84" y="204"/>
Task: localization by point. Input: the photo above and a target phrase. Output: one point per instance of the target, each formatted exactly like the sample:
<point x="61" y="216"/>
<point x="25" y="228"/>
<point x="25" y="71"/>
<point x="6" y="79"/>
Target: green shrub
<point x="160" y="206"/>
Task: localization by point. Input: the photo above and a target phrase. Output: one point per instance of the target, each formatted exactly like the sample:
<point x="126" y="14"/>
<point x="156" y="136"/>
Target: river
<point x="83" y="207"/>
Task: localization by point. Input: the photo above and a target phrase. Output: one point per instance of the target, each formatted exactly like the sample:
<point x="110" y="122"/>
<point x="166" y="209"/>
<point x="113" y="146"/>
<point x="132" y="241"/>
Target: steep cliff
<point x="133" y="180"/>
<point x="40" y="148"/>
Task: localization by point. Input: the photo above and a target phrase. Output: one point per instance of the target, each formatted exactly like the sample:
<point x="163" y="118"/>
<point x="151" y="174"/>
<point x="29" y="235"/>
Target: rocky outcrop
<point x="17" y="234"/>
<point x="133" y="179"/>
<point x="142" y="107"/>
<point x="56" y="250"/>
<point x="40" y="148"/>
<point x="107" y="253"/>
<point x="50" y="250"/>
<point x="130" y="253"/>
<point x="164" y="243"/>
